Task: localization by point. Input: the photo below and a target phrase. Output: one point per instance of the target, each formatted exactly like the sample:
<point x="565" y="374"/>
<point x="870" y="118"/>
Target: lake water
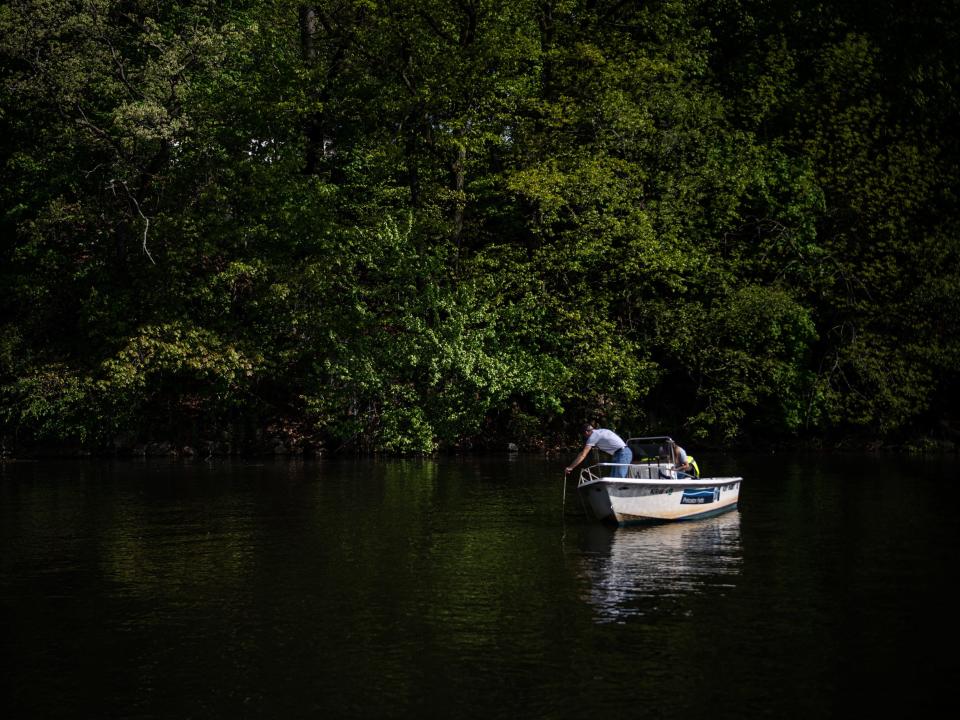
<point x="471" y="588"/>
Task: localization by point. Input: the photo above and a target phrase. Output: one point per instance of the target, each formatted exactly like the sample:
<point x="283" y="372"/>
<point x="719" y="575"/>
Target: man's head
<point x="587" y="429"/>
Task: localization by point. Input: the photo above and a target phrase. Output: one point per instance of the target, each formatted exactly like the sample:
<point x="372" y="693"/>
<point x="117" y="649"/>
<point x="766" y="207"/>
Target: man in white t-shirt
<point x="607" y="441"/>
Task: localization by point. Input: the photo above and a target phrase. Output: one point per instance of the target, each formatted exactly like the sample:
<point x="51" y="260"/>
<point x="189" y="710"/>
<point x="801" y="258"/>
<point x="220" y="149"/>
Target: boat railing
<point x="651" y="461"/>
<point x="591" y="473"/>
<point x="654" y="470"/>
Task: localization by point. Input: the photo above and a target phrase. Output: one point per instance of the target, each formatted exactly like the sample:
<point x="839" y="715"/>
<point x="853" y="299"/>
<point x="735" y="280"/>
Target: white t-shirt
<point x="606" y="440"/>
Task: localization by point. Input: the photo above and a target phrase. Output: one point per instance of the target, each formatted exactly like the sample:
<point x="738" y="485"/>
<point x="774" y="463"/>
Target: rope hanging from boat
<point x="563" y="510"/>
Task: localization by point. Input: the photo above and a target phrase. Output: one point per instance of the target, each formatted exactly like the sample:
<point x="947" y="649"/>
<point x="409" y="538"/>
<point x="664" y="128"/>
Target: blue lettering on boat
<point x="699" y="496"/>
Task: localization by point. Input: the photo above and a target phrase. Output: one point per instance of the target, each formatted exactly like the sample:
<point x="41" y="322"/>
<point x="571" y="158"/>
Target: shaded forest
<point x="416" y="225"/>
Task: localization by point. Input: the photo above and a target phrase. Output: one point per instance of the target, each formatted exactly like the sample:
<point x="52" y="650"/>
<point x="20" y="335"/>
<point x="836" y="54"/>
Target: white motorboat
<point x="652" y="489"/>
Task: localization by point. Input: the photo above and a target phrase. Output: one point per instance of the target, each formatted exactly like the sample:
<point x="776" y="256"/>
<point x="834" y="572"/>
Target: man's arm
<point x="579" y="459"/>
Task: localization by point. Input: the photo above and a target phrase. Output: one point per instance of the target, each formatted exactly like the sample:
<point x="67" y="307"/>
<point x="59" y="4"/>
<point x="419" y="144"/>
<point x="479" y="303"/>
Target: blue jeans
<point x="623" y="456"/>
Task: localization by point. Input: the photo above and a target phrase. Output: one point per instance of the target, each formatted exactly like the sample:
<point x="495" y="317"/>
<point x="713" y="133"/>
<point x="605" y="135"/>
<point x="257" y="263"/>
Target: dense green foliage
<point x="402" y="225"/>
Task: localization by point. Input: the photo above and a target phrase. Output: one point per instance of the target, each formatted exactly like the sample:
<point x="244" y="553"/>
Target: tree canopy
<point x="405" y="225"/>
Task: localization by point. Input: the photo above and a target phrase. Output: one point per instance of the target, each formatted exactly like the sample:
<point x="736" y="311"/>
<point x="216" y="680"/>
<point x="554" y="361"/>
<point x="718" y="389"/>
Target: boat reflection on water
<point x="644" y="570"/>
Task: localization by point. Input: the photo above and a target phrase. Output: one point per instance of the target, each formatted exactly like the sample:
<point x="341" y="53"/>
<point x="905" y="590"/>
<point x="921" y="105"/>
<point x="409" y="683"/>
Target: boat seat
<point x="640" y="472"/>
<point x="649" y="472"/>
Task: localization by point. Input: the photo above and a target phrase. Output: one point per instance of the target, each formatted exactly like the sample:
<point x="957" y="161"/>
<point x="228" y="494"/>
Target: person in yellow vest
<point x="683" y="463"/>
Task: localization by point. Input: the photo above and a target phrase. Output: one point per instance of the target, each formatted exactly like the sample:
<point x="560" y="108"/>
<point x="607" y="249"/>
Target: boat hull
<point x="628" y="501"/>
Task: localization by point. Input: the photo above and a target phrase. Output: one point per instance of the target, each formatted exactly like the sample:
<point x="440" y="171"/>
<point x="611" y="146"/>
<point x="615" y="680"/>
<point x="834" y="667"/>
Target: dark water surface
<point x="471" y="588"/>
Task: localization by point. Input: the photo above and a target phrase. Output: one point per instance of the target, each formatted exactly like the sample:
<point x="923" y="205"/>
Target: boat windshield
<point x="650" y="449"/>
